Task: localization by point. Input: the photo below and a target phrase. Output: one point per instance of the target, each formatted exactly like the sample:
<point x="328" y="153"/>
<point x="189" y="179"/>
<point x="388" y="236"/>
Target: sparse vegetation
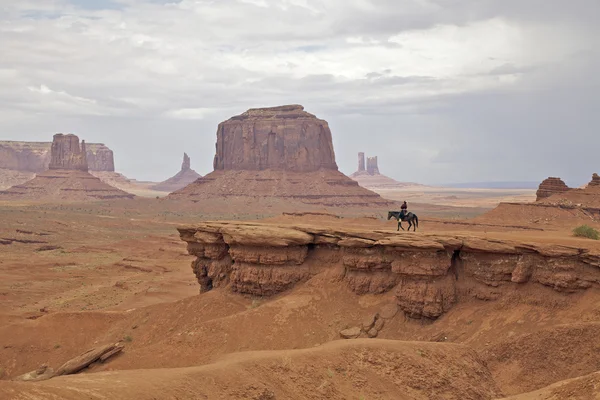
<point x="329" y="373"/>
<point x="56" y="346"/>
<point x="128" y="339"/>
<point x="586" y="231"/>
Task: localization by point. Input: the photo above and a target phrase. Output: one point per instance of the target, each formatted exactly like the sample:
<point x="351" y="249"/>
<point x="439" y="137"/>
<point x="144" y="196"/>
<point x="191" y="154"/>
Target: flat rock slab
<point x="351" y="333"/>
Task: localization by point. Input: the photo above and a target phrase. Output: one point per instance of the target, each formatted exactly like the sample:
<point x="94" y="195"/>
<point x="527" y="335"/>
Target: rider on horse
<point x="404" y="208"/>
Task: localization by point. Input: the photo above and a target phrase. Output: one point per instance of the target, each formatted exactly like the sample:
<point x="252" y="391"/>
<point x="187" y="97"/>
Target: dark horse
<point x="411" y="218"/>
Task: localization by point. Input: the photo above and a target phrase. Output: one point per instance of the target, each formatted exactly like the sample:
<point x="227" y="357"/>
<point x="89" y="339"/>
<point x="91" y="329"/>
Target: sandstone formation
<point x="595" y="180"/>
<point x="183" y="178"/>
<point x="369" y="177"/>
<point x="67" y="178"/>
<point x="429" y="273"/>
<point x="280" y="153"/>
<point x="277" y="138"/>
<point x="549" y="187"/>
<point x="100" y="158"/>
<point x="372" y="167"/>
<point x="35" y="156"/>
<point x="67" y="154"/>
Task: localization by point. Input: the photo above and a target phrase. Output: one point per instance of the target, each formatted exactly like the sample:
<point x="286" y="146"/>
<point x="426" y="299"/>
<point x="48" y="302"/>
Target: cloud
<point x="454" y="80"/>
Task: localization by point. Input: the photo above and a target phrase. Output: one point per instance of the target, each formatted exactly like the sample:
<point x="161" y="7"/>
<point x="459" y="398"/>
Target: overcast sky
<point x="440" y="90"/>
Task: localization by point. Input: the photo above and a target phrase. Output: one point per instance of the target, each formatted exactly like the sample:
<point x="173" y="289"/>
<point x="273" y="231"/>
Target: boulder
<point x="351" y="333"/>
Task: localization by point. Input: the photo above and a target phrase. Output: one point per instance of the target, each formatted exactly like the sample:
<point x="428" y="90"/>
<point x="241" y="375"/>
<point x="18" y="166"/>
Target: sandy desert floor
<point x="74" y="276"/>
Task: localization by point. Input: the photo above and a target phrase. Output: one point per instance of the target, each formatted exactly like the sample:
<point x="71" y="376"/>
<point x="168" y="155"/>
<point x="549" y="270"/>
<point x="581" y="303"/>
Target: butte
<point x="183" y="178"/>
<point x="67" y="178"/>
<point x="371" y="178"/>
<point x="280" y="154"/>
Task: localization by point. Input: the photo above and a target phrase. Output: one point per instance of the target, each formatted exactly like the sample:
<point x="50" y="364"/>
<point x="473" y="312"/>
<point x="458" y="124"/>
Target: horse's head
<point x="390" y="214"/>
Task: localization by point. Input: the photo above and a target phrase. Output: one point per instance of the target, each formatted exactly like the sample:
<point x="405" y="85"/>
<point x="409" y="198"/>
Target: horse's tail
<point x="416" y="220"/>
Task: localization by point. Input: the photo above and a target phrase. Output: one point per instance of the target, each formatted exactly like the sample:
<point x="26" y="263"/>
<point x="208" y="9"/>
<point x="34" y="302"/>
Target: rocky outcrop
<point x="67" y="179"/>
<point x="361" y="162"/>
<point x="371" y="178"/>
<point x="428" y="273"/>
<point x="67" y="154"/>
<point x="372" y="167"/>
<point x="595" y="182"/>
<point x="100" y="158"/>
<point x="35" y="156"/>
<point x="549" y="187"/>
<point x="279" y="138"/>
<point x="24" y="156"/>
<point x="96" y="355"/>
<point x="283" y="154"/>
<point x="183" y="178"/>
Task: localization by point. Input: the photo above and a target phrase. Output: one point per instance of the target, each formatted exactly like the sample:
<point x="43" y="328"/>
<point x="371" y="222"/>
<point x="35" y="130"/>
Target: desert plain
<point x="294" y="284"/>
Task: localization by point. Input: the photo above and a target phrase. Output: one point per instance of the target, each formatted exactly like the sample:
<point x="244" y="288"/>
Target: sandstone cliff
<point x="183" y="178"/>
<point x="67" y="178"/>
<point x="429" y="274"/>
<point x="282" y="138"/>
<point x="66" y="153"/>
<point x="280" y="153"/>
<point x="100" y="158"/>
<point x="35" y="156"/>
<point x="551" y="186"/>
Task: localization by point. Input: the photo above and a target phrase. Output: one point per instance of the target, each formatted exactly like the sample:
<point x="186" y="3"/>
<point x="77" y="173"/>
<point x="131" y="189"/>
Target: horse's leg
<point x="400" y="225"/>
<point x="415" y="226"/>
<point x="409" y="224"/>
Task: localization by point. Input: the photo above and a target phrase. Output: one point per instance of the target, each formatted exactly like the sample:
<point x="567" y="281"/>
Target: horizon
<point x="472" y="92"/>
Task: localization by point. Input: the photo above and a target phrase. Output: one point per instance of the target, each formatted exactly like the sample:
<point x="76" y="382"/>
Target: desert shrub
<point x="587" y="232"/>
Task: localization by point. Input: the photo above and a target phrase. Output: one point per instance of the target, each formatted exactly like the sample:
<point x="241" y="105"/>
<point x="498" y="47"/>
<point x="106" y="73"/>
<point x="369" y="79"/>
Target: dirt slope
<point x="361" y="369"/>
<point x="584" y="388"/>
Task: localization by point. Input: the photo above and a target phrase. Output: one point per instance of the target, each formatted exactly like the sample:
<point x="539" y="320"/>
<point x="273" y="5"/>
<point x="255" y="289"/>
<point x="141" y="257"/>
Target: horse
<point x="411" y="218"/>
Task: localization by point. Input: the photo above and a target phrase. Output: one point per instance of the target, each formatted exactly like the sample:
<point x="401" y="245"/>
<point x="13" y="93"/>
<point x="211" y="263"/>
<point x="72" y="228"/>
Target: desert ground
<point x="75" y="276"/>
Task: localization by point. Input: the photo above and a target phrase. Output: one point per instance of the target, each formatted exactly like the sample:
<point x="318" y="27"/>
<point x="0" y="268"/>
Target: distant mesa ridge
<point x="35" y="156"/>
<point x="67" y="177"/>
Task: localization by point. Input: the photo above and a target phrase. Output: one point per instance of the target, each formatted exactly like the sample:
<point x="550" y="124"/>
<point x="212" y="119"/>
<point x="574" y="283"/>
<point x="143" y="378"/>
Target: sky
<point x="442" y="91"/>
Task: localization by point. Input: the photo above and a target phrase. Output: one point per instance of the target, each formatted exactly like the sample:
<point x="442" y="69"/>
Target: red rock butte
<point x="67" y="178"/>
<point x="551" y="186"/>
<point x="183" y="178"/>
<point x="278" y="152"/>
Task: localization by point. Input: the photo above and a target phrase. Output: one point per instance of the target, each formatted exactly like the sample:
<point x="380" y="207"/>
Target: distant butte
<point x="183" y="178"/>
<point x="369" y="177"/>
<point x="280" y="153"/>
<point x="67" y="178"/>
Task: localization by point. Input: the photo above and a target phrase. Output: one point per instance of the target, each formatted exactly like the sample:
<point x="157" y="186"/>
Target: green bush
<point x="587" y="232"/>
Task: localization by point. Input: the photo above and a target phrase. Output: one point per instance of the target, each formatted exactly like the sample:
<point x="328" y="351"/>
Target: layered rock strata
<point x="595" y="182"/>
<point x="551" y="186"/>
<point x="183" y="178"/>
<point x="428" y="273"/>
<point x="279" y="152"/>
<point x="278" y="138"/>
